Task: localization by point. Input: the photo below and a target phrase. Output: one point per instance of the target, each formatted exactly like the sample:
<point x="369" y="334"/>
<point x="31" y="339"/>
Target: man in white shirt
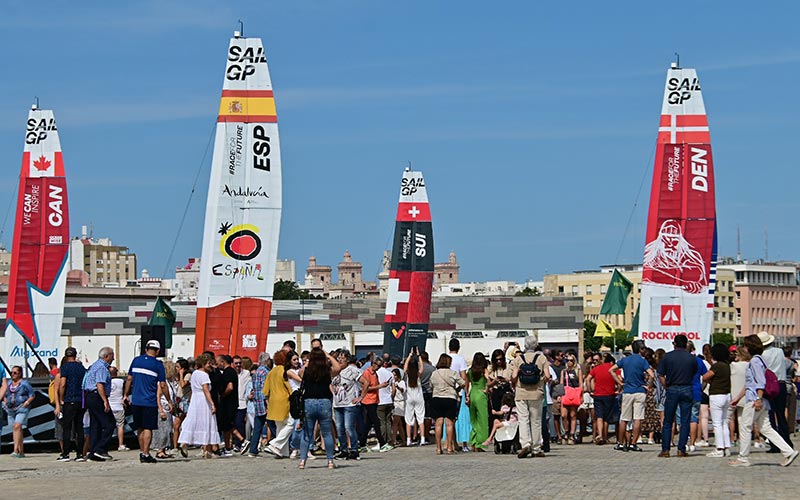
<point x="385" y="405"/>
<point x="459" y="364"/>
<point x="240" y="422"/>
<point x="776" y="361"/>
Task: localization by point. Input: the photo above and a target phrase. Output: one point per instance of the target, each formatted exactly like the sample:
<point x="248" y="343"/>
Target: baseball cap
<point x="732" y="348"/>
<point x="70" y="352"/>
<point x="153" y="344"/>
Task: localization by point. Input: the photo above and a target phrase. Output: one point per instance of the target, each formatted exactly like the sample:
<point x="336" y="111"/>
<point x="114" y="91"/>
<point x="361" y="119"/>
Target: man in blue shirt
<point x="634" y="394"/>
<point x="676" y="372"/>
<point x="97" y="385"/>
<point x="70" y="398"/>
<point x="143" y="389"/>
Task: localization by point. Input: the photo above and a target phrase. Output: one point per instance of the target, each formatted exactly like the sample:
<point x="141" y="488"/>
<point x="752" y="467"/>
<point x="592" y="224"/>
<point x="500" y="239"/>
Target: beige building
<point x="592" y="285"/>
<point x="107" y="265"/>
<point x="724" y="302"/>
<point x="446" y="273"/>
<point x="5" y="268"/>
<point x="350" y="282"/>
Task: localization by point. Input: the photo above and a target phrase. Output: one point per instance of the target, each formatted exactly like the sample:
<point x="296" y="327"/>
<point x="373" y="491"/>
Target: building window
<point x="602" y="289"/>
<point x="588" y="289"/>
<point x="575" y="290"/>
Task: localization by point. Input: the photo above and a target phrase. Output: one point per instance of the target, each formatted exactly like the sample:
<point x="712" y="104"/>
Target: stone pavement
<point x="580" y="471"/>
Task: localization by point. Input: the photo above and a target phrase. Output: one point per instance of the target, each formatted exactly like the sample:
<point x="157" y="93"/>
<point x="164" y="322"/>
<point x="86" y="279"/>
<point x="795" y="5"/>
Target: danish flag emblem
<point x="670" y="315"/>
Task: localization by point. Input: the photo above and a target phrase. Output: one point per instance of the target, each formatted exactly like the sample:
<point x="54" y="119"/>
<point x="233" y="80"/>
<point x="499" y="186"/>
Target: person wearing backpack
<point x="776" y="362"/>
<point x="759" y="387"/>
<point x="529" y="375"/>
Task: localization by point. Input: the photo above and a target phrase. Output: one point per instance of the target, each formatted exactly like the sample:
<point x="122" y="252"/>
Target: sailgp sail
<point x="40" y="249"/>
<point x="677" y="294"/>
<point x="243" y="210"/>
<point x="408" y="300"/>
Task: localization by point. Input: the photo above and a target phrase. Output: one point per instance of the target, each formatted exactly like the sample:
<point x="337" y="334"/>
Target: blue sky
<point x="533" y="122"/>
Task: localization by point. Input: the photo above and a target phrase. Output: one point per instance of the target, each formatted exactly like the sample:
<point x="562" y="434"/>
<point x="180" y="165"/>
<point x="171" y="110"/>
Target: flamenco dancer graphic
<point x="673" y="261"/>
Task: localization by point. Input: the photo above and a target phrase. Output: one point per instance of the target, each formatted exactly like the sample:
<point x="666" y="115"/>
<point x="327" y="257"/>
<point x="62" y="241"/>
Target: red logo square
<point x="670" y="315"/>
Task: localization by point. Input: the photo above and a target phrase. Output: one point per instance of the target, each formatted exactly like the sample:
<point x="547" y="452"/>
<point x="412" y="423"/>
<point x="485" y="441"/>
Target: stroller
<point x="506" y="438"/>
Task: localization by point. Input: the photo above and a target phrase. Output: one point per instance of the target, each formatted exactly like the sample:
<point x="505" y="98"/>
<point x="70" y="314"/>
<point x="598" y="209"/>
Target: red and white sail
<point x="243" y="210"/>
<point x="40" y="249"/>
<point x="408" y="299"/>
<point x="677" y="295"/>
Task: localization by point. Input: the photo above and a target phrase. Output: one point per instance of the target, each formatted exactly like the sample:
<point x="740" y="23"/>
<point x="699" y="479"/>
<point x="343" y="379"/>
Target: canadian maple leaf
<point x="42" y="164"/>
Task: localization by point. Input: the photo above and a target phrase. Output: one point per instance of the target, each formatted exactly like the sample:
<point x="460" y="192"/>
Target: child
<point x="507" y="411"/>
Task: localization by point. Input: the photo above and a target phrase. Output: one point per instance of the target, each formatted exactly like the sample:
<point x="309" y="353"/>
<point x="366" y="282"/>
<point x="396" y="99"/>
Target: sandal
<point x="331" y="465"/>
<point x="301" y="465"/>
<point x="439" y="452"/>
<point x="163" y="455"/>
<point x="184" y="454"/>
<point x="451" y="452"/>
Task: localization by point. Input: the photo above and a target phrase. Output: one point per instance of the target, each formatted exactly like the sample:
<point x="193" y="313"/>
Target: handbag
<point x="573" y="396"/>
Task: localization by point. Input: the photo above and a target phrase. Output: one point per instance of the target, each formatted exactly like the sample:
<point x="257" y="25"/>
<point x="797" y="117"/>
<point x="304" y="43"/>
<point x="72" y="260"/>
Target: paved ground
<point x="579" y="471"/>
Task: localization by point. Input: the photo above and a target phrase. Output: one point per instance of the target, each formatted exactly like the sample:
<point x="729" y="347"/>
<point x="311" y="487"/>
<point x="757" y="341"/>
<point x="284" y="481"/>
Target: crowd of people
<point x="521" y="399"/>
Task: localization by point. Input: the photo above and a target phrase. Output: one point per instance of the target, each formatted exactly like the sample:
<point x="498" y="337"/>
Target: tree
<point x="621" y="338"/>
<point x="723" y="338"/>
<point x="289" y="290"/>
<point x="590" y="342"/>
<point x="529" y="292"/>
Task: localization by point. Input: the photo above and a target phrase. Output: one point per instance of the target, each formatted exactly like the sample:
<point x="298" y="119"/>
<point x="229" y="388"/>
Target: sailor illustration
<point x="671" y="256"/>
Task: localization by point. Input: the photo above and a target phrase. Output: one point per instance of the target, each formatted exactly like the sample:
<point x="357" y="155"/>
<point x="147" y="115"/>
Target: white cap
<point x="153" y="344"/>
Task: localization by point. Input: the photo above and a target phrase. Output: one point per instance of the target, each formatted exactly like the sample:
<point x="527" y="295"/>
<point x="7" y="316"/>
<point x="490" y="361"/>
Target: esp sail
<point x="40" y="248"/>
<point x="243" y="210"/>
<point x="678" y="274"/>
<point x="408" y="300"/>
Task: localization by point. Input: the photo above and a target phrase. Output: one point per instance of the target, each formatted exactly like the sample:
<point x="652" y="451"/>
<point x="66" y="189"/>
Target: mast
<point x="243" y="209"/>
<point x="408" y="300"/>
<point x="679" y="266"/>
<point x="40" y="248"/>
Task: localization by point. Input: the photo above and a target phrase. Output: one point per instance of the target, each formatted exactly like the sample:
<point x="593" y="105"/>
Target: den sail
<point x="243" y="210"/>
<point x="40" y="249"/>
<point x="678" y="275"/>
<point x="408" y="300"/>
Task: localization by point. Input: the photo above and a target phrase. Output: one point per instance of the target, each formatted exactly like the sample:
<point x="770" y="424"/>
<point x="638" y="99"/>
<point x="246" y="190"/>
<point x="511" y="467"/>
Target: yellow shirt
<point x="277" y="392"/>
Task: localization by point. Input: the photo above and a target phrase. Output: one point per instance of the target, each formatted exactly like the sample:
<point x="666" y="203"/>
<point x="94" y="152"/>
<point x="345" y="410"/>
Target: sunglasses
<point x="237" y="364"/>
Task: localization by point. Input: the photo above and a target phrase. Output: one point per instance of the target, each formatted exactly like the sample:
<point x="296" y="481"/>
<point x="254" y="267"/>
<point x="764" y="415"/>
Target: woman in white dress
<point x="200" y="426"/>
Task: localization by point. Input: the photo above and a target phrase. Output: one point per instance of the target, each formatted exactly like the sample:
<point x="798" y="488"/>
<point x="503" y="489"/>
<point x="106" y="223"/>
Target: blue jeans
<point x="346" y="426"/>
<point x="679" y="396"/>
<point x="258" y="427"/>
<point x="296" y="441"/>
<point x="317" y="411"/>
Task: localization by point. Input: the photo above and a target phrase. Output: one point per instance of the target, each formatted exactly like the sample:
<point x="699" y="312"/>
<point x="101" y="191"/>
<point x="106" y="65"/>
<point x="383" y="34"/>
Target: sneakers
<point x="342" y="455"/>
<point x="716" y="454"/>
<point x="788" y="461"/>
<point x="363" y="449"/>
<point x="691" y="448"/>
<point x="739" y="463"/>
<point x="620" y="447"/>
<point x="651" y="442"/>
<point x="273" y="450"/>
<point x="123" y="448"/>
<point x="225" y="453"/>
<point x="94" y="457"/>
<point x="105" y="456"/>
<point x="385" y="448"/>
<point x="422" y="442"/>
<point x="376" y="448"/>
<point x="524" y="452"/>
<point x="147" y="459"/>
<point x="408" y="441"/>
<point x="80" y="458"/>
<point x="245" y="447"/>
<point x="294" y="454"/>
<point x="702" y="444"/>
<point x="634" y="447"/>
<point x="63" y="458"/>
<point x="758" y="444"/>
<point x="353" y="455"/>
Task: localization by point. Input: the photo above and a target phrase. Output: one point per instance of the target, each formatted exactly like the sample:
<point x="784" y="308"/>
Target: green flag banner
<point x="617" y="294"/>
<point x="635" y="325"/>
<point x="163" y="315"/>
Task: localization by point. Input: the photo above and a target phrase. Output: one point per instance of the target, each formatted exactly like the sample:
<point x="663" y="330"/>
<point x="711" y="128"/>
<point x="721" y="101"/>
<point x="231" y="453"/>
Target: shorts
<point x="704" y="399"/>
<point x="119" y="416"/>
<point x="144" y="417"/>
<point x="694" y="417"/>
<point x="226" y="413"/>
<point x="632" y="406"/>
<point x="604" y="407"/>
<point x="17" y="416"/>
<point x="556" y="407"/>
<point x="399" y="409"/>
<point x="444" y="408"/>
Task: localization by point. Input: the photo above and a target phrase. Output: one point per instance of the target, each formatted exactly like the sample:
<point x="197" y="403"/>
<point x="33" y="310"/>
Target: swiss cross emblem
<point x="670" y="315"/>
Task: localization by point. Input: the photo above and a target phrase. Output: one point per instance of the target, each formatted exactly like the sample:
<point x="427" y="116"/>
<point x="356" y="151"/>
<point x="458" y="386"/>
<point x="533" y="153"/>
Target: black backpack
<point x="297" y="404"/>
<point x="529" y="373"/>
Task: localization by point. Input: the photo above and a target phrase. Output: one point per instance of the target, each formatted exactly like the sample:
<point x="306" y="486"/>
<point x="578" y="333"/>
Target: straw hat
<point x="765" y="338"/>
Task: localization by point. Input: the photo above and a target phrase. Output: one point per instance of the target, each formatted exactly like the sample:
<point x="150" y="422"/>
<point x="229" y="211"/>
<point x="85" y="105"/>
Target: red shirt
<point x="604" y="384"/>
<point x="371" y="397"/>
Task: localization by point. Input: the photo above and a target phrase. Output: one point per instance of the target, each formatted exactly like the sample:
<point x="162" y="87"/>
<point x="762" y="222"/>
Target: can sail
<point x="40" y="250"/>
<point x="408" y="300"/>
<point x="678" y="272"/>
<point x="243" y="210"/>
